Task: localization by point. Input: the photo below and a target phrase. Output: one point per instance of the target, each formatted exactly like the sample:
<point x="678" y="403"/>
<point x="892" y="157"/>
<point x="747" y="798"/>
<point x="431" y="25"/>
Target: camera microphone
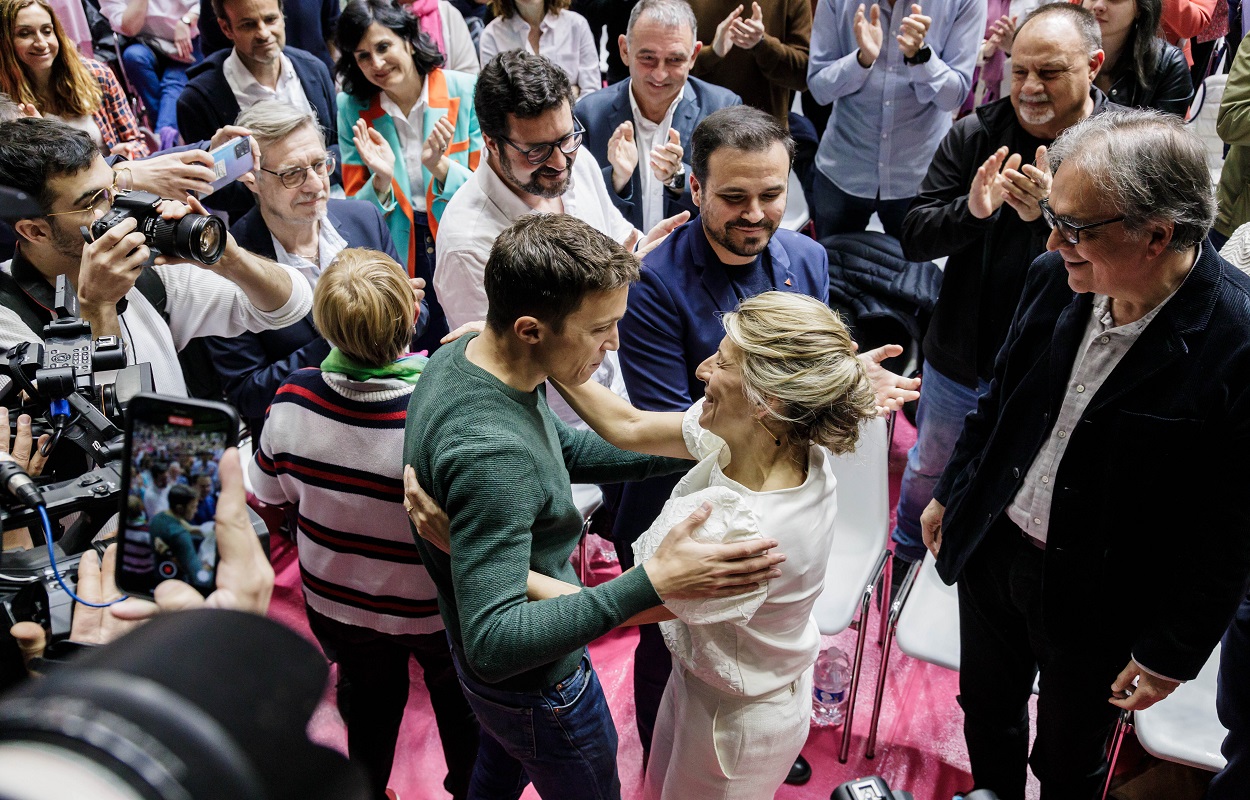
<point x="17" y="483"/>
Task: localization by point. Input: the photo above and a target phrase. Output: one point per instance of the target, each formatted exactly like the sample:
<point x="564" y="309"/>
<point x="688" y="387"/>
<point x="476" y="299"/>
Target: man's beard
<point x="68" y="243"/>
<point x="721" y="236"/>
<point x="1038" y="116"/>
<point x="534" y="186"/>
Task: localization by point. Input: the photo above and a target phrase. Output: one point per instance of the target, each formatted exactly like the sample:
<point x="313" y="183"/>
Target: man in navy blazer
<point x="639" y="129"/>
<point x="298" y="226"/>
<point x="1091" y="511"/>
<point x="260" y="66"/>
<point x="733" y="250"/>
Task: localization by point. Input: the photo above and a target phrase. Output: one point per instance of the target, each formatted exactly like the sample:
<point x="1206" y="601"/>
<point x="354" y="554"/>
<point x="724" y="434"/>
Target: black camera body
<point x="199" y="237"/>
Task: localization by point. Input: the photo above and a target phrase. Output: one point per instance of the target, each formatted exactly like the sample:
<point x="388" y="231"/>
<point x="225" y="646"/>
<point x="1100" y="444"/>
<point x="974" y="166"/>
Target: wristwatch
<point x="922" y="55"/>
<point x="678" y="182"/>
<point x="186" y="20"/>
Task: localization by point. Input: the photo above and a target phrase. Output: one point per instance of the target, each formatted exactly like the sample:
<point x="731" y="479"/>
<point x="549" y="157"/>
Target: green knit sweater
<point x="500" y="463"/>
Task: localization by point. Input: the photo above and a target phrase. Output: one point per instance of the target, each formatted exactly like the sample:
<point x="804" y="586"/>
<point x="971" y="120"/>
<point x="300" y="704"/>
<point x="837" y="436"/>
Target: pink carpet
<point x="920" y="743"/>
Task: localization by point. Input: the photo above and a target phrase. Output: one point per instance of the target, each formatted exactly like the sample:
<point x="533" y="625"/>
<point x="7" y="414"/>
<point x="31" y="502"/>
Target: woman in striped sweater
<point x="332" y="445"/>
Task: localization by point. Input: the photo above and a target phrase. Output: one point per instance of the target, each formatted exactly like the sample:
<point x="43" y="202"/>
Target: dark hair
<point x="33" y="151"/>
<point x="219" y="8"/>
<point x="1082" y="19"/>
<point x="521" y="84"/>
<point x="739" y="127"/>
<point x="543" y="265"/>
<point x="356" y="19"/>
<point x="506" y="8"/>
<point x="1141" y="46"/>
<point x="180" y="495"/>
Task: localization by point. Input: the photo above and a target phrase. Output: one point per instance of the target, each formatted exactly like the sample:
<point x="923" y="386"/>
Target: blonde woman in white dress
<point x="784" y="393"/>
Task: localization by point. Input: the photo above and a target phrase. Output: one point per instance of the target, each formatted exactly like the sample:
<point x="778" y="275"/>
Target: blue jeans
<point x="835" y="211"/>
<point x="158" y="80"/>
<point x="939" y="419"/>
<point x="561" y="738"/>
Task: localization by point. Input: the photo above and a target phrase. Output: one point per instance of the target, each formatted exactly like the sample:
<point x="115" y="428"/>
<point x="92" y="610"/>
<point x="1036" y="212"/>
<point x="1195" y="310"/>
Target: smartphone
<point x="231" y="161"/>
<point x="173" y="449"/>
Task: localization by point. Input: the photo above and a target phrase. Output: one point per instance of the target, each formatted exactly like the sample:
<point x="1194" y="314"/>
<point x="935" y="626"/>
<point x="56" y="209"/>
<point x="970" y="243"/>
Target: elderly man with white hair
<point x="1084" y="512"/>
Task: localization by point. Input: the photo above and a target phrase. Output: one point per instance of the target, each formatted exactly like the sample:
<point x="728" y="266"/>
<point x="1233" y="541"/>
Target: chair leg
<point x="1122" y="726"/>
<point x="880" y="692"/>
<point x="887" y="581"/>
<point x="861" y="637"/>
<point x="582" y="568"/>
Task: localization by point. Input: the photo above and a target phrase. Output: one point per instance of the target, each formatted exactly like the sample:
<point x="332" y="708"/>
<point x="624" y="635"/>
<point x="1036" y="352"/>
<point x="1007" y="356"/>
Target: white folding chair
<point x="924" y="619"/>
<point x="797" y="213"/>
<point x="1183" y="727"/>
<point x="858" y="560"/>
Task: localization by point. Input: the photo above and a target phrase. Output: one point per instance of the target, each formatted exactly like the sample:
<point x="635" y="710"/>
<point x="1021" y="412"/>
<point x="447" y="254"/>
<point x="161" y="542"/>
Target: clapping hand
<point x="434" y="151"/>
<point x="666" y="157"/>
<point x="376" y="154"/>
<point x="1002" y="35"/>
<point x="986" y="193"/>
<point x="912" y="30"/>
<point x="747" y="32"/>
<point x="622" y="155"/>
<point x="868" y="34"/>
<point x="722" y="41"/>
<point x="1023" y="186"/>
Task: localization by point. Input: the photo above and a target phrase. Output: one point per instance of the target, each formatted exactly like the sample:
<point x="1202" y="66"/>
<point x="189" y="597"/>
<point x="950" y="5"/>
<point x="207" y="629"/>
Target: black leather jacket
<point x="1170" y="91"/>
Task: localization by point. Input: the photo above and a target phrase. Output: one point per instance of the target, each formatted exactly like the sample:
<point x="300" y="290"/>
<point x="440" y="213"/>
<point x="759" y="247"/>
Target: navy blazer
<point x="253" y="365"/>
<point x="602" y="111"/>
<point x="673" y="323"/>
<point x="1147" y="545"/>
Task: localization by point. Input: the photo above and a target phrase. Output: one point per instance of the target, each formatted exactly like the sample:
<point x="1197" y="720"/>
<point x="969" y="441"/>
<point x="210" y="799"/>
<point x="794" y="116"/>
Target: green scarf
<point x="407" y="369"/>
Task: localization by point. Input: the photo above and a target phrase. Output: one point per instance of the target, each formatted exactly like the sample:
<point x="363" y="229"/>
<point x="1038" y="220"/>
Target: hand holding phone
<point x="231" y="161"/>
<point x="171" y="468"/>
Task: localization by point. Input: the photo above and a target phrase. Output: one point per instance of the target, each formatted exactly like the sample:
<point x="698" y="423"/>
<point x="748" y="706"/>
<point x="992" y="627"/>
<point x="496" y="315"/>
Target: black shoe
<point x="800" y="773"/>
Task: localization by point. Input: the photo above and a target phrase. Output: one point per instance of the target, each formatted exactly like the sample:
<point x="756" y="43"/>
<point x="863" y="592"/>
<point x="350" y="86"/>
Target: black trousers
<point x="1232" y="702"/>
<point x="372" y="692"/>
<point x="1003" y="643"/>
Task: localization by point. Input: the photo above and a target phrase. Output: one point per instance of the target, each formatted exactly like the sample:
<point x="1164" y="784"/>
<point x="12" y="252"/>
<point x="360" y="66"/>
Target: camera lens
<point x="196" y="236"/>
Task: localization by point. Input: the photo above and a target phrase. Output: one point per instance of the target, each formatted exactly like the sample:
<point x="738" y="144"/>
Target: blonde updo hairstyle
<point x="799" y="364"/>
<point x="364" y="305"/>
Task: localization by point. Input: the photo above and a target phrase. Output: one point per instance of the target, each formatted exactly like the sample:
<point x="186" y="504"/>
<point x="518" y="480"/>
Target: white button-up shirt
<point x="565" y="40"/>
<point x="648" y="134"/>
<point x="410" y="128"/>
<point x="329" y="245"/>
<point x="248" y="91"/>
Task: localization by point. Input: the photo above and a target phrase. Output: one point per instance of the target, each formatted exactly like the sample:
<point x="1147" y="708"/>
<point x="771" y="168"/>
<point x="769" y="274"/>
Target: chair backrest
<point x="1204" y="111"/>
<point x="861" y="529"/>
<point x="928" y="626"/>
<point x="797" y="213"/>
<point x="1184" y="727"/>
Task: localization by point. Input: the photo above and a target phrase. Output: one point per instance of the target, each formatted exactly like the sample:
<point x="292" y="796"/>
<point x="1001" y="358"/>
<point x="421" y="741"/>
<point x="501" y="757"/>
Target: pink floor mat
<point x="920" y="743"/>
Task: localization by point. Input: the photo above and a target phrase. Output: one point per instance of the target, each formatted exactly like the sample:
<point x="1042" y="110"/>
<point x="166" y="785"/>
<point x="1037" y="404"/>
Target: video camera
<point x="76" y="388"/>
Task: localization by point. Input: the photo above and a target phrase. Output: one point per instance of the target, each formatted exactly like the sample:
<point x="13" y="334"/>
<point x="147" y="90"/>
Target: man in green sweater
<point x="489" y="451"/>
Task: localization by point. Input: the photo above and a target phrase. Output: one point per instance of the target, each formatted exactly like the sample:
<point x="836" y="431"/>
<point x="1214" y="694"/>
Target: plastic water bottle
<point x="830" y="686"/>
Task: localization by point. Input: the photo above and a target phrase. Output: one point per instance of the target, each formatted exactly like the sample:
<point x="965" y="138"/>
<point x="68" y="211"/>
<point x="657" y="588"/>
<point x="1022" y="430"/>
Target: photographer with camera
<point x="156" y="311"/>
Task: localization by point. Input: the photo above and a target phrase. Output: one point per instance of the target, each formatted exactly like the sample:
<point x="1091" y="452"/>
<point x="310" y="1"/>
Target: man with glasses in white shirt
<point x="156" y="310"/>
<point x="297" y="224"/>
<point x="535" y="164"/>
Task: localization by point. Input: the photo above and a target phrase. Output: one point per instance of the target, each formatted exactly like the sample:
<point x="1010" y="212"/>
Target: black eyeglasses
<point x="1069" y="232"/>
<point x="294" y="177"/>
<point x="539" y="154"/>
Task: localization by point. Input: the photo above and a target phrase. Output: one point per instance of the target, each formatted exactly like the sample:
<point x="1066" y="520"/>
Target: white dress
<point x="736" y="709"/>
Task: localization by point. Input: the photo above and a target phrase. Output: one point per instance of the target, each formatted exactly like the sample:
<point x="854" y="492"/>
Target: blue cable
<point x="47" y="535"/>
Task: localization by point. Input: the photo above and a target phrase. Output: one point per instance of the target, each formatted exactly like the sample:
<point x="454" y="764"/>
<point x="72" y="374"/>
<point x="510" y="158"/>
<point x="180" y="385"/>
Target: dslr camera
<point x="199" y="237"/>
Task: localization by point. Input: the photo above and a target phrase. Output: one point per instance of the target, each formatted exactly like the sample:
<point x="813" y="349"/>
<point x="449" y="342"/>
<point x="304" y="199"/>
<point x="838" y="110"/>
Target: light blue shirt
<point x="888" y="120"/>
